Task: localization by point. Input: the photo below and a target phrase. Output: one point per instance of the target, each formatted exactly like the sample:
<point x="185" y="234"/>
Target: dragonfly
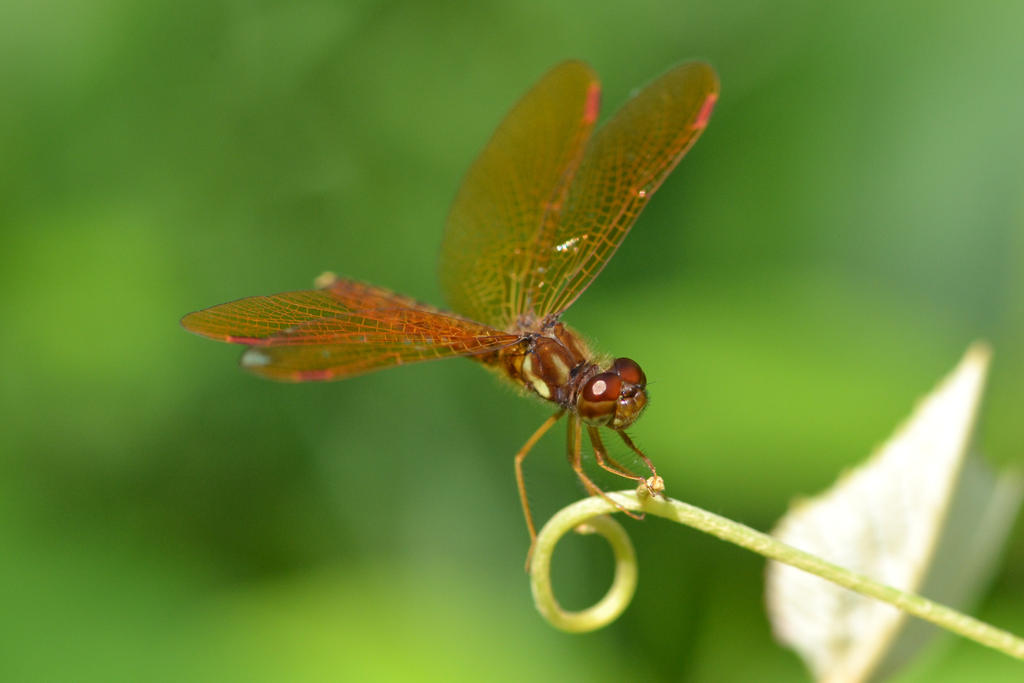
<point x="537" y="217"/>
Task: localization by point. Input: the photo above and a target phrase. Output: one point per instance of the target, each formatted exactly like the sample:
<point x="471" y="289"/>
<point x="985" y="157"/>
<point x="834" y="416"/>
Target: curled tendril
<point x="623" y="585"/>
<point x="590" y="515"/>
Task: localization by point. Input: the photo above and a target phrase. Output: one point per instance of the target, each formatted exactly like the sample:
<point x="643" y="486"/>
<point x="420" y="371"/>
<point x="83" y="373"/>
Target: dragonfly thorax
<point x="556" y="365"/>
<point x="552" y="363"/>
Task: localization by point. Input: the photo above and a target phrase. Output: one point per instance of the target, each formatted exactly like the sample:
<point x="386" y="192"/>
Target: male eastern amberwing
<point x="537" y="217"/>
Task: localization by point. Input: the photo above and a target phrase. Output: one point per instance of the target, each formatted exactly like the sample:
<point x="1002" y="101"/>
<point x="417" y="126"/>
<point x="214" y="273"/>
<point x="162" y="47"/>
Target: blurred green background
<point x="851" y="220"/>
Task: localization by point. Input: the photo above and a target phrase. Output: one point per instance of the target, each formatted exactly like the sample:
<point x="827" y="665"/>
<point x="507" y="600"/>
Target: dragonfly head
<point x="614" y="398"/>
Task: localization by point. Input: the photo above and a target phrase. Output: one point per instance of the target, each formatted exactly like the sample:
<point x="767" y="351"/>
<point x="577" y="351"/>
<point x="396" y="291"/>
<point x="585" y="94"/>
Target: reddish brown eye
<point x="629" y="371"/>
<point x="603" y="387"/>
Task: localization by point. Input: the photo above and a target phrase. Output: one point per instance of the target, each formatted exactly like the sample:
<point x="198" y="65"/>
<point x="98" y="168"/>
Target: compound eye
<point x="629" y="371"/>
<point x="603" y="387"/>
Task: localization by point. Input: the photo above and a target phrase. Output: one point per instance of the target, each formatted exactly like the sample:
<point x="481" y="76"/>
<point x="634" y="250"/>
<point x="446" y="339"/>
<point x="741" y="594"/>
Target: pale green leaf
<point x="922" y="514"/>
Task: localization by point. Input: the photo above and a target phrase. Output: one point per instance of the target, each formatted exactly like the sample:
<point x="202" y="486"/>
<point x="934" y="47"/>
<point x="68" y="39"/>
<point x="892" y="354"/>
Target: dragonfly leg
<point x="655" y="484"/>
<point x="605" y="460"/>
<point x="520" y="456"/>
<point x="576" y="460"/>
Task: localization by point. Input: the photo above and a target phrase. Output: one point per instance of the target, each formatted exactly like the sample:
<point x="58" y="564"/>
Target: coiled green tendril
<point x="590" y="515"/>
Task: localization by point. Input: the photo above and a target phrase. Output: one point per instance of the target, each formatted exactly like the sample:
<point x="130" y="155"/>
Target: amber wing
<point x="513" y="194"/>
<point x="347" y="328"/>
<point x="625" y="163"/>
<point x="536" y="222"/>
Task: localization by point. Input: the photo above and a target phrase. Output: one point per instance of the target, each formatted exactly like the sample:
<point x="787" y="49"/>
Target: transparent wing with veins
<point x="345" y="329"/>
<point x="545" y="206"/>
<point x="505" y="210"/>
<point x="624" y="164"/>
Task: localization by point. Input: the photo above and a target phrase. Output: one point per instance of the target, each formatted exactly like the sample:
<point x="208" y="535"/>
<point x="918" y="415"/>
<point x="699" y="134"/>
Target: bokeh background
<point x="851" y="220"/>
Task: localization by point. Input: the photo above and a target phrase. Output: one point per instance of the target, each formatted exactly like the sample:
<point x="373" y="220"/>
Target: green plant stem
<point x="618" y="597"/>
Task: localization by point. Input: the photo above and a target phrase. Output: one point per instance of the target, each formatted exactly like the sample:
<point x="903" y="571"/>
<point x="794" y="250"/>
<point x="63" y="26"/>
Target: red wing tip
<point x="313" y="375"/>
<point x="190" y="326"/>
<point x="229" y="338"/>
<point x="705" y="110"/>
<point x="592" y="106"/>
<point x="249" y="341"/>
<point x="188" y="322"/>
